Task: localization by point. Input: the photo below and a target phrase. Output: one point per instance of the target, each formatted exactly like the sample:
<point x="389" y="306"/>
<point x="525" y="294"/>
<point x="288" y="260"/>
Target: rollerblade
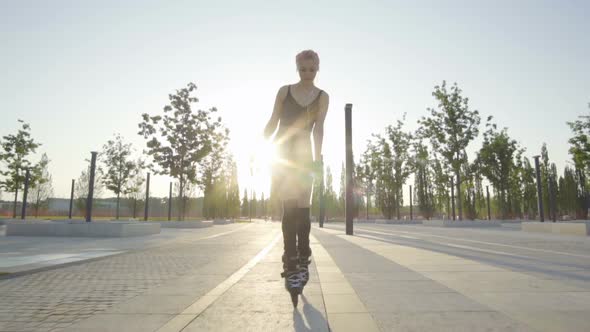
<point x="304" y="262"/>
<point x="293" y="282"/>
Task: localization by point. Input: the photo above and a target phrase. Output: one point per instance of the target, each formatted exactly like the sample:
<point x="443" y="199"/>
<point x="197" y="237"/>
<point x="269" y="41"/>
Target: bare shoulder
<point x="282" y="93"/>
<point x="325" y="97"/>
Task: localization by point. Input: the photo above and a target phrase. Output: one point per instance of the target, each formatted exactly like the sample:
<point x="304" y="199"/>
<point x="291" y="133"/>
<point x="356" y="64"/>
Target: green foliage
<point x="179" y="140"/>
<point x="496" y="161"/>
<point x="423" y="184"/>
<point x="14" y="155"/>
<point x="119" y="168"/>
<point x="580" y="152"/>
<point x="42" y="190"/>
<point x="81" y="188"/>
<point x="245" y="204"/>
<point x="330" y="198"/>
<point x="451" y="128"/>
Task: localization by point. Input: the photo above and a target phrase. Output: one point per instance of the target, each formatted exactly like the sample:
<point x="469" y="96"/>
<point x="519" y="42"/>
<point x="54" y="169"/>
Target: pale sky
<point x="78" y="72"/>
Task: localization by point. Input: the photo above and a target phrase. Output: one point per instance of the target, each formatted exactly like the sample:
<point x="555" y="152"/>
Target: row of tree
<point x="186" y="144"/>
<point x="445" y="178"/>
<point x="191" y="147"/>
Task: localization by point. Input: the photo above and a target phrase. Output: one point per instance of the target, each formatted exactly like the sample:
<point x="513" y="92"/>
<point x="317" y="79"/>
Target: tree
<point x="580" y="152"/>
<point x="400" y="143"/>
<point x="544" y="165"/>
<point x="118" y="167"/>
<point x="569" y="199"/>
<point x="529" y="181"/>
<point x="450" y="129"/>
<point x="261" y="208"/>
<point x="81" y="187"/>
<point x="468" y="187"/>
<point x="233" y="192"/>
<point x="367" y="172"/>
<point x="253" y="204"/>
<point x="135" y="185"/>
<point x="495" y="159"/>
<point x="385" y="191"/>
<point x="15" y="150"/>
<point x="423" y="189"/>
<point x="185" y="138"/>
<point x="330" y="198"/>
<point x="43" y="188"/>
<point x="212" y="175"/>
<point x="315" y="197"/>
<point x="245" y="204"/>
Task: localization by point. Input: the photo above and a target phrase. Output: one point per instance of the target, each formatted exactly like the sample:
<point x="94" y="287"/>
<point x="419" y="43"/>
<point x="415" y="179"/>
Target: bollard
<point x="91" y="187"/>
<point x="348" y="203"/>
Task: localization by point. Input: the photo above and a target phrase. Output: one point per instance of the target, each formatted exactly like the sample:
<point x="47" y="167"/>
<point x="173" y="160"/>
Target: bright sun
<point x="262" y="158"/>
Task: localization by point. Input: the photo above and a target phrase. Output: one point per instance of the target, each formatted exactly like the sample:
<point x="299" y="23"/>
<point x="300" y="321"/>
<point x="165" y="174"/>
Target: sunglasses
<point x="303" y="69"/>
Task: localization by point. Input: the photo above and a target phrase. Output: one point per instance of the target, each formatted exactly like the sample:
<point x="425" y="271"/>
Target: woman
<point x="299" y="110"/>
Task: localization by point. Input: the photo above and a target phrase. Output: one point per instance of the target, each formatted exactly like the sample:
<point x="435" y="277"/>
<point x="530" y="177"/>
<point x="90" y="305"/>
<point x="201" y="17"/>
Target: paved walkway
<point x="385" y="278"/>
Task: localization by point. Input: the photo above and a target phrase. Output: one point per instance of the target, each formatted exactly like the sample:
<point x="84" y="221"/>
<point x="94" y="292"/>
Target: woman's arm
<point x="318" y="129"/>
<point x="271" y="126"/>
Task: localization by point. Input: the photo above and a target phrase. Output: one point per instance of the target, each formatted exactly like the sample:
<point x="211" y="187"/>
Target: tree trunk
<point x="453" y="198"/>
<point x="37" y="206"/>
<point x="183" y="207"/>
<point x="448" y="204"/>
<point x="134" y="206"/>
<point x="14" y="205"/>
<point x="181" y="210"/>
<point x="367" y="205"/>
<point x="117" y="217"/>
<point x="459" y="202"/>
<point x="397" y="206"/>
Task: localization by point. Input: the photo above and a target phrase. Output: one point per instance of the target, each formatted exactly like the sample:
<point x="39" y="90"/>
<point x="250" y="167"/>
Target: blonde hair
<point x="308" y="54"/>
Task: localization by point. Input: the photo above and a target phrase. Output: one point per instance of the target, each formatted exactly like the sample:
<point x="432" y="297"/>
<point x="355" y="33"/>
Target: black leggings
<point x="296" y="225"/>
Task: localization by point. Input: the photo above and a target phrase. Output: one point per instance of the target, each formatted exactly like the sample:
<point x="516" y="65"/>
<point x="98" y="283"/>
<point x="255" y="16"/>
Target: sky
<point x="79" y="72"/>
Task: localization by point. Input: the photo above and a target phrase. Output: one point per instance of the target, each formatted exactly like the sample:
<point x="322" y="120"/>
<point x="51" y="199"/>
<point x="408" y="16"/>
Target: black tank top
<point x="297" y="120"/>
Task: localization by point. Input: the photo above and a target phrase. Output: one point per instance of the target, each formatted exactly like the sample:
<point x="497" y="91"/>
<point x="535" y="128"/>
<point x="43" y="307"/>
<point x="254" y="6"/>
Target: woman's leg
<point x="289" y="227"/>
<point x="303" y="229"/>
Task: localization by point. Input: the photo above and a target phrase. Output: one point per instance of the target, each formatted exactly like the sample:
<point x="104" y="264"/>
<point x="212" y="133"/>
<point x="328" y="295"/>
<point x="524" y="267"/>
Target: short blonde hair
<point x="308" y="54"/>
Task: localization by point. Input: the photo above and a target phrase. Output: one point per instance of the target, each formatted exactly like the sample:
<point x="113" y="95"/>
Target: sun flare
<point x="262" y="157"/>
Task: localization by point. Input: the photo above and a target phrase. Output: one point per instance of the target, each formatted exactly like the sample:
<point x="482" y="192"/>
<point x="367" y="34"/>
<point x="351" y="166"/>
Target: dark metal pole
<point x="348" y="203"/>
<point x="411" y="206"/>
<point x="23" y="213"/>
<point x="488" y="199"/>
<point x="147" y="198"/>
<point x="539" y="190"/>
<point x="170" y="203"/>
<point x="322" y="202"/>
<point x="91" y="187"/>
<point x="71" y="200"/>
<point x="453" y="197"/>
